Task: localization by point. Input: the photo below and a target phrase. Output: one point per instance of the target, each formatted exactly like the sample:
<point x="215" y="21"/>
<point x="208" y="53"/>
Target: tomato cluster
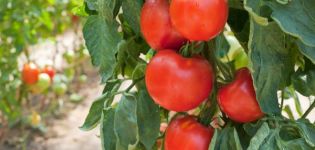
<point x="37" y="80"/>
<point x="180" y="84"/>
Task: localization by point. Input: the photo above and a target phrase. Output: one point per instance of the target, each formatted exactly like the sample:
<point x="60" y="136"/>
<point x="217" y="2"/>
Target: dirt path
<point x="64" y="133"/>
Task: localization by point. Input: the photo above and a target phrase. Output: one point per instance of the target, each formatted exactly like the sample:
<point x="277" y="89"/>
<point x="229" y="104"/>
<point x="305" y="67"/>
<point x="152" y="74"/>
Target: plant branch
<point x="308" y="110"/>
<point x="282" y="100"/>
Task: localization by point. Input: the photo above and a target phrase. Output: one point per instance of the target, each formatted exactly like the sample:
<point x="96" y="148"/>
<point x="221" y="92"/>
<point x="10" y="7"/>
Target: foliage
<point x="278" y="37"/>
<point x="24" y="23"/>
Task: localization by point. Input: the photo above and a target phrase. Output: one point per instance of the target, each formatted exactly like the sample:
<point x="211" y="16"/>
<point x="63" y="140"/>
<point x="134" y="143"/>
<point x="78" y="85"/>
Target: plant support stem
<point x="308" y="110"/>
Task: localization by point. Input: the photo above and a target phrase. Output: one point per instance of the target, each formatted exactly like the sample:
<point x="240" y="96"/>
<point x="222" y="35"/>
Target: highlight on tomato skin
<point x="186" y="133"/>
<point x="199" y="20"/>
<point x="30" y="73"/>
<point x="238" y="98"/>
<point x="177" y="83"/>
<point x="156" y="26"/>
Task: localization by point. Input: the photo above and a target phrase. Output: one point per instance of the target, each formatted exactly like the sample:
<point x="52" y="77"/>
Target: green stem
<point x="209" y="108"/>
<point x="27" y="54"/>
<point x="282" y="100"/>
<point x="185" y="50"/>
<point x="308" y="110"/>
<point x="134" y="82"/>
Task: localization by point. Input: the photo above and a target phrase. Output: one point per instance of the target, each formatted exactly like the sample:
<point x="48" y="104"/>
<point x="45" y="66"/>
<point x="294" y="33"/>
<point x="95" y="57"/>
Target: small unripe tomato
<point x="59" y="88"/>
<point x="42" y="84"/>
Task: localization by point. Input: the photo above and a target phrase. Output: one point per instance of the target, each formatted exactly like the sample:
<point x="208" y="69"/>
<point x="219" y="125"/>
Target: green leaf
<point x="307" y="131"/>
<point x="265" y="60"/>
<point x="270" y="142"/>
<point x="259" y="137"/>
<point x="296" y="18"/>
<point x="132" y="9"/>
<point x="108" y="138"/>
<point x="239" y="22"/>
<point x="304" y="81"/>
<point x="297" y="103"/>
<point x="227" y="139"/>
<point x="307" y="51"/>
<point x="101" y="39"/>
<point x="126" y="127"/>
<point x="236" y="4"/>
<point x="254" y="9"/>
<point x="297" y="144"/>
<point x="148" y="118"/>
<point x="214" y="139"/>
<point x="252" y="128"/>
<point x="96" y="109"/>
<point x="79" y="11"/>
<point x="222" y="45"/>
<point x="94" y="115"/>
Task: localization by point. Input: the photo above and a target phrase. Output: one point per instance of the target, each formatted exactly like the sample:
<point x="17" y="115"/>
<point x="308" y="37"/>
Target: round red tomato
<point x="185" y="133"/>
<point x="156" y="26"/>
<point x="50" y="71"/>
<point x="238" y="99"/>
<point x="30" y="73"/>
<point x="177" y="83"/>
<point x="199" y="20"/>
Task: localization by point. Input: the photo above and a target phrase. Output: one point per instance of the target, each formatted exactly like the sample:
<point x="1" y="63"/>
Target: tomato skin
<point x="177" y="83"/>
<point x="157" y="28"/>
<point x="30" y="73"/>
<point x="50" y="71"/>
<point x="238" y="99"/>
<point x="204" y="19"/>
<point x="185" y="133"/>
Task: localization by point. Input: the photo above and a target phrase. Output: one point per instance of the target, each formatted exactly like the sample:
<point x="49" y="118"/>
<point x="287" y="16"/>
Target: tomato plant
<point x="21" y="28"/>
<point x="156" y="26"/>
<point x="42" y="83"/>
<point x="187" y="131"/>
<point x="238" y="99"/>
<point x="184" y="84"/>
<point x="274" y="40"/>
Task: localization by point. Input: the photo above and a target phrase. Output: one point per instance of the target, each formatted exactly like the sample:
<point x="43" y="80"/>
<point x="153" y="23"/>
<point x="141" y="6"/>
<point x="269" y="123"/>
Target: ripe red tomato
<point x="156" y="26"/>
<point x="238" y="99"/>
<point x="199" y="19"/>
<point x="177" y="83"/>
<point x="185" y="133"/>
<point x="50" y="71"/>
<point x="75" y="19"/>
<point x="30" y="73"/>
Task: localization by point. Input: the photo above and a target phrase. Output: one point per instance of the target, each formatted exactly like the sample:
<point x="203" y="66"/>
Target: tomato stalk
<point x="134" y="82"/>
<point x="27" y="55"/>
<point x="210" y="107"/>
<point x="282" y="99"/>
<point x="308" y="110"/>
<point x="185" y="51"/>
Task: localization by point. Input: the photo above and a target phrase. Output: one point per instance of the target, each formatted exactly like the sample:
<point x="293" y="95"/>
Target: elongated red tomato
<point x="156" y="26"/>
<point x="185" y="133"/>
<point x="199" y="20"/>
<point x="238" y="99"/>
<point x="30" y="73"/>
<point x="177" y="83"/>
